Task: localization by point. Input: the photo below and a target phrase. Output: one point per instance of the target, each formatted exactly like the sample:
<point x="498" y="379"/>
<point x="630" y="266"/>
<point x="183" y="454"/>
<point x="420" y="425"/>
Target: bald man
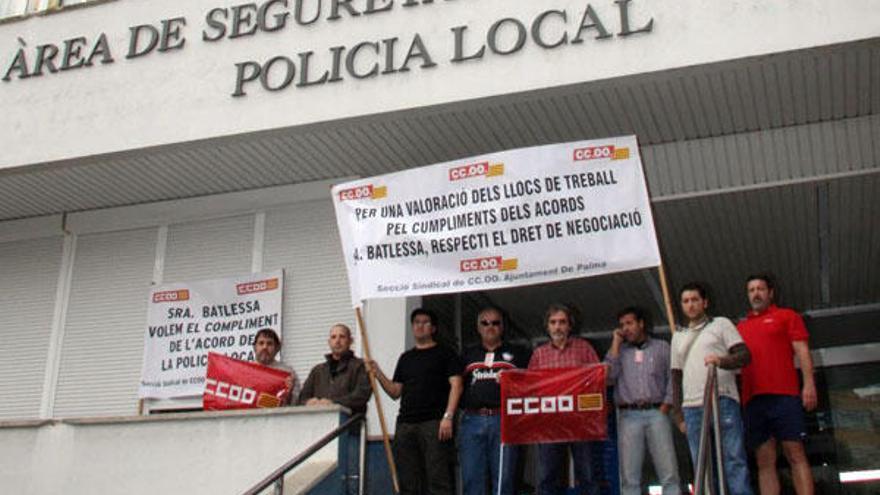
<point x="341" y="378"/>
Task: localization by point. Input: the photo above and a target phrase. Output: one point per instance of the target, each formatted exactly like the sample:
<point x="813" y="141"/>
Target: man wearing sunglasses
<point x="480" y="428"/>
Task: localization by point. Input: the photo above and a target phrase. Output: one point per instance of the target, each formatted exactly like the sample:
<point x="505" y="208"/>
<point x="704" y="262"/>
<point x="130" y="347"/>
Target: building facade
<point x="147" y="142"/>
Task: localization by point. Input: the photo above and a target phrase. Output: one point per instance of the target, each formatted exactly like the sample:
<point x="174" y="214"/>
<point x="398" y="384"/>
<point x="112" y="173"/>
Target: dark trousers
<point x="424" y="463"/>
<point x="552" y="458"/>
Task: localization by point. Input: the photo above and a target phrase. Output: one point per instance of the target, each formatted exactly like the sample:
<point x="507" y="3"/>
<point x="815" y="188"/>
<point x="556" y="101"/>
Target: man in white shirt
<point x="710" y="341"/>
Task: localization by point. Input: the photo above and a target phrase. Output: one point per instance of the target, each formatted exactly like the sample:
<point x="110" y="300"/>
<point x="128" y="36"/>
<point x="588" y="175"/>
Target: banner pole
<point x="664" y="286"/>
<point x="500" y="467"/>
<point x="373" y="385"/>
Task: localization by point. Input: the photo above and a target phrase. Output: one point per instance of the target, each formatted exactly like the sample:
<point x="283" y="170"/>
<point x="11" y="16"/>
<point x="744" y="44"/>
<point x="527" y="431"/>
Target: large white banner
<point x="187" y="320"/>
<point x="517" y="217"/>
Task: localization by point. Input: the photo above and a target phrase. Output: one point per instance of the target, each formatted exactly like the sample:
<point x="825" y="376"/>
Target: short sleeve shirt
<point x="424" y="374"/>
<point x="769" y="336"/>
<point x="716" y="336"/>
<point x="576" y="352"/>
<point x="481" y="370"/>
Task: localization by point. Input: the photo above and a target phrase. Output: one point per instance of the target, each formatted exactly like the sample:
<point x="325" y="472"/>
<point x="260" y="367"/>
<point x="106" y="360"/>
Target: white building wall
<point x="202" y="453"/>
<point x="184" y="94"/>
<point x="303" y="241"/>
<point x="104" y="324"/>
<point x="28" y="280"/>
<point x="97" y="318"/>
<point x="209" y="249"/>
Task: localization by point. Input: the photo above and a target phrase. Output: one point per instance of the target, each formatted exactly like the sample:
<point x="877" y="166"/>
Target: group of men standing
<point x="424" y="449"/>
<point x="652" y="378"/>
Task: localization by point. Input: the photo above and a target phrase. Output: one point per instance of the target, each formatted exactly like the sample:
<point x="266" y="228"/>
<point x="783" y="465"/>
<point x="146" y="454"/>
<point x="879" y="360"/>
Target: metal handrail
<point x="703" y="478"/>
<point x="300" y="458"/>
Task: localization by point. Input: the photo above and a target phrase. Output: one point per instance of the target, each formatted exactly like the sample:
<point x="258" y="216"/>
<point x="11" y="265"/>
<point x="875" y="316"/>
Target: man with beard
<point x="639" y="371"/>
<point x="563" y="351"/>
<point x="710" y="341"/>
<point x="266" y="347"/>
<point x="774" y="403"/>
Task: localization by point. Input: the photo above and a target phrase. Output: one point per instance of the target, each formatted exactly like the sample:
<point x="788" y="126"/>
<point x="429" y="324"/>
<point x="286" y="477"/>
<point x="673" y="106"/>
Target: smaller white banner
<point x="187" y="320"/>
<point x="516" y="217"/>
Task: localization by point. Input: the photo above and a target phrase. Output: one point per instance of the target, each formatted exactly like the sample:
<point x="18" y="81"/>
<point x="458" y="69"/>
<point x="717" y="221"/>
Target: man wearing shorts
<point x="774" y="402"/>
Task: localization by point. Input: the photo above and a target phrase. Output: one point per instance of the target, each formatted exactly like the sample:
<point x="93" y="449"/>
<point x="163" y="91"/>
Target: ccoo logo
<point x="553" y="404"/>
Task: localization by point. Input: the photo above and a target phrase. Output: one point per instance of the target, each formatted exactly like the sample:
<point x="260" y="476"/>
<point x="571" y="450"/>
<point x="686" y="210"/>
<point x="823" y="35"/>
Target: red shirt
<point x="577" y="352"/>
<point x="769" y="336"/>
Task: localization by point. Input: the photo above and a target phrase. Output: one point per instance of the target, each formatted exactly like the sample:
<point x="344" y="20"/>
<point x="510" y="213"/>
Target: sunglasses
<point x="487" y="323"/>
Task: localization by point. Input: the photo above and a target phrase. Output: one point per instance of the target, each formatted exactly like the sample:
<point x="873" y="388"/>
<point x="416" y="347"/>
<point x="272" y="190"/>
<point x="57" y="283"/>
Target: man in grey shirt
<point x="639" y="370"/>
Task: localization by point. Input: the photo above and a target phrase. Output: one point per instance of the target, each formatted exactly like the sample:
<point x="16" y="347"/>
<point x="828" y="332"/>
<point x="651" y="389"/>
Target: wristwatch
<point x="447" y="415"/>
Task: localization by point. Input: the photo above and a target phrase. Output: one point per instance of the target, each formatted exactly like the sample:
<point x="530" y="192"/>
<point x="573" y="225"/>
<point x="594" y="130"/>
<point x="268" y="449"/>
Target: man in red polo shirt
<point x="774" y="402"/>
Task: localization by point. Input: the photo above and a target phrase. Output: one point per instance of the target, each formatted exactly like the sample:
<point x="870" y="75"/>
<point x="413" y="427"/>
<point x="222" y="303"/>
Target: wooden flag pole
<point x="385" y="440"/>
<point x="664" y="286"/>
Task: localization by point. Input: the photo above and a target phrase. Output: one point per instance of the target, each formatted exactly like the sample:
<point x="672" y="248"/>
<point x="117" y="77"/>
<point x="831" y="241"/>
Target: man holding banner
<point x="427" y="379"/>
<point x="563" y="351"/>
<point x="516" y="217"/>
<point x="480" y="428"/>
<point x="267" y="345"/>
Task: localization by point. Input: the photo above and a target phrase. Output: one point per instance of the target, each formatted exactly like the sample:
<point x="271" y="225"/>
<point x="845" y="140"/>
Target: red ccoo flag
<point x="234" y="384"/>
<point x="553" y="405"/>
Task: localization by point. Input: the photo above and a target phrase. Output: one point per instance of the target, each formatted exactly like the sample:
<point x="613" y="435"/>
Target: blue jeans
<point x="736" y="471"/>
<point x="552" y="459"/>
<point x="479" y="452"/>
<point x="637" y="429"/>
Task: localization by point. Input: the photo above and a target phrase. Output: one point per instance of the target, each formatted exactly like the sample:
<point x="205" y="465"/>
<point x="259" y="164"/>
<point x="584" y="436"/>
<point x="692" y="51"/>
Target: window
<point x="20" y="8"/>
<point x="55" y="4"/>
<point x="12" y="8"/>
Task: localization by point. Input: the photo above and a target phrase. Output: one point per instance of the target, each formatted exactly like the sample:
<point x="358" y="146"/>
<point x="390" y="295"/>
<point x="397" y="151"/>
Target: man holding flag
<point x="480" y="428"/>
<point x="235" y="384"/>
<point x="267" y="345"/>
<point x="563" y="351"/>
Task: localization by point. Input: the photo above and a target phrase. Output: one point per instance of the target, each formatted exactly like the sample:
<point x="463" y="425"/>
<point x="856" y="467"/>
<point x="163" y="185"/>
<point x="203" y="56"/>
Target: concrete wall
<point x="210" y="453"/>
<point x="184" y="93"/>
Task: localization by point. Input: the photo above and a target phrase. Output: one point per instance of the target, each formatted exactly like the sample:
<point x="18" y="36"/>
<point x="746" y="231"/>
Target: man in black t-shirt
<point x="428" y="382"/>
<point x="480" y="429"/>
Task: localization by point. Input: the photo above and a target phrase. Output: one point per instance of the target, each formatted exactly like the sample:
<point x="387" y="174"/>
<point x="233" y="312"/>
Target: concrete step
<point x="307" y="476"/>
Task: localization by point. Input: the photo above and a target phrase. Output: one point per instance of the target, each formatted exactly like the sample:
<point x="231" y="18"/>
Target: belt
<point x="650" y="405"/>
<point x="483" y="411"/>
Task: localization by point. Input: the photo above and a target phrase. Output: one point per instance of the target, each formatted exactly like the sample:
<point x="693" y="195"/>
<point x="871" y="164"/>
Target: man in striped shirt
<point x="563" y="351"/>
<point x="639" y="371"/>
